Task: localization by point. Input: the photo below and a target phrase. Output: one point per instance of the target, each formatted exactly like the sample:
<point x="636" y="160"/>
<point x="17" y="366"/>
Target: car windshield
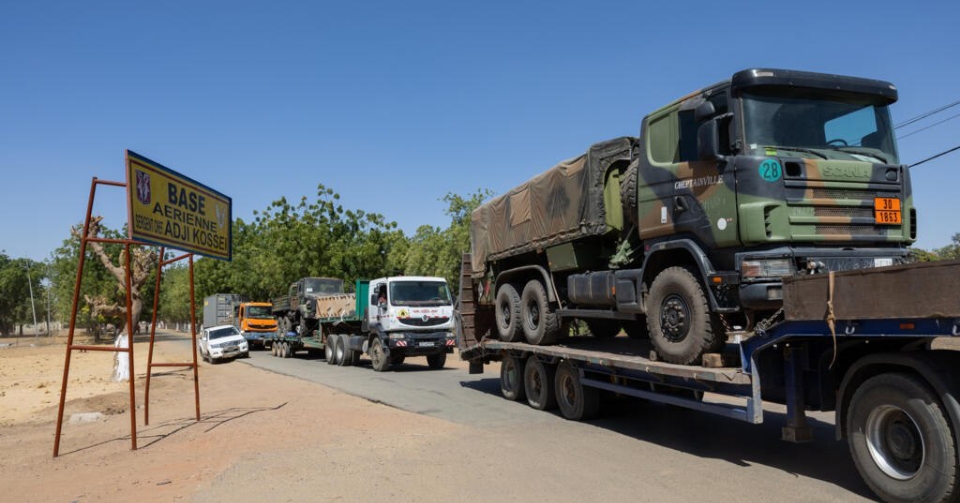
<point x="224" y="332"/>
<point x="259" y="312"/>
<point x="323" y="286"/>
<point x="821" y="127"/>
<point x="419" y="293"/>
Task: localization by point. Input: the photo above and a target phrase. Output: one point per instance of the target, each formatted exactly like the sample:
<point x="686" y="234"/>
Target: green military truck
<point x="296" y="311"/>
<point x="684" y="234"/>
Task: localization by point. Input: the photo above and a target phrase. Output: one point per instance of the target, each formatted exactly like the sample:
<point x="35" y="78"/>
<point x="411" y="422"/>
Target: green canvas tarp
<point x="561" y="204"/>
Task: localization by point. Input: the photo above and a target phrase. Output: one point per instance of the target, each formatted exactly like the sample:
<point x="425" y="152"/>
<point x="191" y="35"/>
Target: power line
<point x="925" y="115"/>
<point x="928" y="127"/>
<point x="945" y="152"/>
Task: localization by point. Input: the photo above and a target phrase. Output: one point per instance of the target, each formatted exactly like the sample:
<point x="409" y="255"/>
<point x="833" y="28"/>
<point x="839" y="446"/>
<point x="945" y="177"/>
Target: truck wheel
<point x="328" y="350"/>
<point x="397" y="359"/>
<point x="576" y="401"/>
<point x="347" y="359"/>
<point x="538" y="380"/>
<point x="603" y="329"/>
<point x="900" y="440"/>
<point x="437" y="361"/>
<point x="508" y="313"/>
<point x="338" y="353"/>
<point x="273" y="348"/>
<point x="540" y="324"/>
<point x="681" y="326"/>
<point x="511" y="378"/>
<point x="378" y="357"/>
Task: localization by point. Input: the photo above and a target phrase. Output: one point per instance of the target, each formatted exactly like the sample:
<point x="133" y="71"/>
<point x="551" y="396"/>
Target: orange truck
<point x="254" y="319"/>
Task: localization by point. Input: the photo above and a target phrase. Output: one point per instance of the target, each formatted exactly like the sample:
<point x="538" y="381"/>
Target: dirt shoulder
<point x="246" y="414"/>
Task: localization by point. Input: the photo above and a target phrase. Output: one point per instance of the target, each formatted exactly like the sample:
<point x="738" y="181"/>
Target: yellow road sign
<point x="168" y="209"/>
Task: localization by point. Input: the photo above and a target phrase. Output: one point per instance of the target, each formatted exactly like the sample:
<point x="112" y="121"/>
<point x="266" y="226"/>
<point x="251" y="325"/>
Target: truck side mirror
<point x="708" y="140"/>
<point x="704" y="111"/>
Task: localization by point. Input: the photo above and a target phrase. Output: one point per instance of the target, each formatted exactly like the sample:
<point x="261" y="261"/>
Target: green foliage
<point x="436" y="252"/>
<point x="286" y="242"/>
<point x="949" y="252"/>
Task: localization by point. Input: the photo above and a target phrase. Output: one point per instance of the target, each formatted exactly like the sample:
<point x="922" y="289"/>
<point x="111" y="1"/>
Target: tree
<point x="436" y="252"/>
<point x="952" y="250"/>
<point x="105" y="300"/>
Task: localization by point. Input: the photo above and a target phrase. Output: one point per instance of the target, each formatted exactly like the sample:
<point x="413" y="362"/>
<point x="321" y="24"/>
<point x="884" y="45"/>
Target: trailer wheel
<point x="603" y="329"/>
<point x="379" y="358"/>
<point x="576" y="401"/>
<point x="540" y="324"/>
<point x="538" y="380"/>
<point x="437" y="361"/>
<point x="511" y="378"/>
<point x="328" y="353"/>
<point x="681" y="326"/>
<point x="508" y="313"/>
<point x="900" y="440"/>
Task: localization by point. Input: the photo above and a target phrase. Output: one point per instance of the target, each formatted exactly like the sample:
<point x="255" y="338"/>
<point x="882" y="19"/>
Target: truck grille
<point x="838" y="214"/>
<point x="424" y="322"/>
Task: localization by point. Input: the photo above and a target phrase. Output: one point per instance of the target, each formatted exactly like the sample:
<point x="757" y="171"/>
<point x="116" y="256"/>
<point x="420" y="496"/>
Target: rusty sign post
<point x="185" y="215"/>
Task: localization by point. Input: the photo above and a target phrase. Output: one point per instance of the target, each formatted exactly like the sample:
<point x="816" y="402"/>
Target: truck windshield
<point x="824" y="127"/>
<point x="259" y="312"/>
<point x="419" y="293"/>
<point x="322" y="286"/>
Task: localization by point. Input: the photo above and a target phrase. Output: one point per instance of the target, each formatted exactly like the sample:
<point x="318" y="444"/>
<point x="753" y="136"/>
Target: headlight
<point x="767" y="268"/>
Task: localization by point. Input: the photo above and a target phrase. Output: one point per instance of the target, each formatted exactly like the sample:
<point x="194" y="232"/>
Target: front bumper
<point x="229" y="352"/>
<point x="422" y="343"/>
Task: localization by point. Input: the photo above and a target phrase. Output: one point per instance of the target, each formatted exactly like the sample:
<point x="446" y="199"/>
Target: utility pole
<point x="32" y="305"/>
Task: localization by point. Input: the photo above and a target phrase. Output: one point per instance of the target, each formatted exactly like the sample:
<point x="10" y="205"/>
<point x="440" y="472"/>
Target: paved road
<point x="692" y="455"/>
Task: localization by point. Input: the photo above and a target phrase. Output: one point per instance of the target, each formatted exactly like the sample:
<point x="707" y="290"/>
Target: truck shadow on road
<point x="715" y="437"/>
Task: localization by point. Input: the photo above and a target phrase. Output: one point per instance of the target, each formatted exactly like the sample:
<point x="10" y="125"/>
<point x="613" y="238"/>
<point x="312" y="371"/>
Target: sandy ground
<point x="247" y="414"/>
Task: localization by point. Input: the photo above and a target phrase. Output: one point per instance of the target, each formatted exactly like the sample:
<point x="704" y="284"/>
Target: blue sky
<point x="394" y="104"/>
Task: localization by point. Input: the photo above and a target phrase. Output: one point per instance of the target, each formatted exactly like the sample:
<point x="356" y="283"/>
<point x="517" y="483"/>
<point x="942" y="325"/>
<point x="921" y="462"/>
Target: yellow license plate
<point x="886" y="211"/>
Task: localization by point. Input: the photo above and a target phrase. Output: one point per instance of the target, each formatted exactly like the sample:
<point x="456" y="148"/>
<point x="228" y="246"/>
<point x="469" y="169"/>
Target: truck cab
<point x="774" y="173"/>
<point x="409" y="316"/>
<point x="255" y="322"/>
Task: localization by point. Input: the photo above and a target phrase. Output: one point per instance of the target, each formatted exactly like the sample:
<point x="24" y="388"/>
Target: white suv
<point x="221" y="342"/>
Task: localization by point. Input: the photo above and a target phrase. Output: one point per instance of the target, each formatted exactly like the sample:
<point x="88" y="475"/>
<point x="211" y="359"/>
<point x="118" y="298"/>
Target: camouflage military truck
<point x="297" y="311"/>
<point x="686" y="231"/>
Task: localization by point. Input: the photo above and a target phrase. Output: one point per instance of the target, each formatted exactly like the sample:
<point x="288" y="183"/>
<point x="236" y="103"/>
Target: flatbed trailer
<point x="877" y="347"/>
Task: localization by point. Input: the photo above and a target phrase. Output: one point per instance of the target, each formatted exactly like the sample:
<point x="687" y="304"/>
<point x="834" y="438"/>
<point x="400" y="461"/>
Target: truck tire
<point x="603" y="329"/>
<point x="378" y="357"/>
<point x="637" y="329"/>
<point x="628" y="194"/>
<point x="540" y="324"/>
<point x="900" y="440"/>
<point x="397" y="359"/>
<point x="437" y="361"/>
<point x="508" y="313"/>
<point x="538" y="378"/>
<point x="347" y="359"/>
<point x="681" y="326"/>
<point x="328" y="353"/>
<point x="338" y="351"/>
<point x="576" y="401"/>
<point x="273" y="348"/>
<point x="511" y="378"/>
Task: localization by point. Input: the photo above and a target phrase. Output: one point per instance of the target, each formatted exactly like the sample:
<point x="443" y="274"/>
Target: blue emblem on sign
<point x="771" y="170"/>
